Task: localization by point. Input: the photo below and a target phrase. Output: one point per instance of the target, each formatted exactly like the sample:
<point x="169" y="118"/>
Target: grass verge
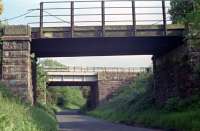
<point x="18" y="116"/>
<point x="136" y="105"/>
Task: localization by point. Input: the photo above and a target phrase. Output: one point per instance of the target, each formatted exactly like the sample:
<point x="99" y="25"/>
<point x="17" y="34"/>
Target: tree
<point x="1" y="7"/>
<point x="187" y="12"/>
<point x="42" y="92"/>
<point x="41" y="84"/>
<point x="52" y="64"/>
<point x="180" y="9"/>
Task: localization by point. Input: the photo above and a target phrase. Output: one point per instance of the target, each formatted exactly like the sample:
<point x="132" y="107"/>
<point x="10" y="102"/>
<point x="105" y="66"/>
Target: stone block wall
<point x="175" y="73"/>
<point x="110" y="82"/>
<point x="16" y="61"/>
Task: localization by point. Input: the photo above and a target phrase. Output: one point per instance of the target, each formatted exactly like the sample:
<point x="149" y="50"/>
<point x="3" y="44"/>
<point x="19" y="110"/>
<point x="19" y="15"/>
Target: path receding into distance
<point x="73" y="121"/>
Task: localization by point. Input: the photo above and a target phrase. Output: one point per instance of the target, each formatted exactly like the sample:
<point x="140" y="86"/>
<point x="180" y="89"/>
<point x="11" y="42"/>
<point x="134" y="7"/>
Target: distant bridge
<point x="103" y="82"/>
<point x="85" y="75"/>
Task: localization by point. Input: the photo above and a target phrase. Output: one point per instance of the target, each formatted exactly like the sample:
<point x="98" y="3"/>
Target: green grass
<point x="185" y="121"/>
<point x="17" y="116"/>
<point x="136" y="105"/>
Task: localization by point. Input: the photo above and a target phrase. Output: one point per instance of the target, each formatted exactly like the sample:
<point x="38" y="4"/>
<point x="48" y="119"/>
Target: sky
<point x="14" y="8"/>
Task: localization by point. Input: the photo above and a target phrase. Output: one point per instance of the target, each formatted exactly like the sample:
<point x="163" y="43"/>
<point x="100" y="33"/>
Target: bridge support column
<point x="93" y="98"/>
<point x="16" y="62"/>
<point x="177" y="73"/>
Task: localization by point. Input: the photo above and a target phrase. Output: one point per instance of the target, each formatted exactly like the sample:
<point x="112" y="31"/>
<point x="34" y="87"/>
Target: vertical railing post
<point x="133" y="18"/>
<point x="41" y="19"/>
<point x="164" y="18"/>
<point x="72" y="18"/>
<point x="103" y="18"/>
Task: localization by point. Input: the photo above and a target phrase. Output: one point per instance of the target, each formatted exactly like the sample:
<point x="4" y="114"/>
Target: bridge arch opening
<point x="75" y="40"/>
<point x="89" y="91"/>
<point x="101" y="82"/>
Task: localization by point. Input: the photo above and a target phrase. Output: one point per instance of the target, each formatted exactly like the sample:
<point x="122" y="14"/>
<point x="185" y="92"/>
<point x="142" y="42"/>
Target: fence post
<point x="133" y="18"/>
<point x="103" y="17"/>
<point x="72" y="18"/>
<point x="41" y="19"/>
<point x="164" y="18"/>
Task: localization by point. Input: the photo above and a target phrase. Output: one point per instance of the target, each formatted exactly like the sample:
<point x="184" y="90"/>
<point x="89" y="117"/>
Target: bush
<point x="17" y="116"/>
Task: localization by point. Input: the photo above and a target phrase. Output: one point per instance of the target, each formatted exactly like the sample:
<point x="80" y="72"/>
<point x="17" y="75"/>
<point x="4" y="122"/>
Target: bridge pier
<point x="177" y="73"/>
<point x="16" y="61"/>
<point x="93" y="96"/>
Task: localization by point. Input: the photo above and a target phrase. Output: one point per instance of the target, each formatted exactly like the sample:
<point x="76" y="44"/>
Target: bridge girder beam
<point x="107" y="46"/>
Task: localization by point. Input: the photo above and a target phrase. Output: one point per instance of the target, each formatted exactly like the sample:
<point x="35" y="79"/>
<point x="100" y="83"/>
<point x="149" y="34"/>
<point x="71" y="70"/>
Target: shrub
<point x="17" y="116"/>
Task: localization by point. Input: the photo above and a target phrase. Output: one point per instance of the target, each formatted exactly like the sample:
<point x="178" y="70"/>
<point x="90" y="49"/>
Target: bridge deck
<point x="104" y="28"/>
<point x="109" y="31"/>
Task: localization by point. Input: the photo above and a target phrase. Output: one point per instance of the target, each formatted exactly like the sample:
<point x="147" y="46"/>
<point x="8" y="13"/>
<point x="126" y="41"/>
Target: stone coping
<point x="16" y="38"/>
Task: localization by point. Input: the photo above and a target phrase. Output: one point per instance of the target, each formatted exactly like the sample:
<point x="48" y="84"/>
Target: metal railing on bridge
<point x="99" y="69"/>
<point x="103" y="13"/>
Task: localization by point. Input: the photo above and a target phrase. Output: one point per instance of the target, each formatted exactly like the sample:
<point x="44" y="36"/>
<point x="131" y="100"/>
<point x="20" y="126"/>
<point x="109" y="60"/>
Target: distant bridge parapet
<point x="97" y="69"/>
<point x="87" y="74"/>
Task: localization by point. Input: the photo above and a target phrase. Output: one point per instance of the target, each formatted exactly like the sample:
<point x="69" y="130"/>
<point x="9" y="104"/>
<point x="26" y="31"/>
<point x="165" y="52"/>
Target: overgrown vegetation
<point x="1" y="7"/>
<point x="187" y="12"/>
<point x="18" y="116"/>
<point x="41" y="84"/>
<point x="136" y="104"/>
<point x="42" y="91"/>
<point x="67" y="97"/>
<point x="52" y="64"/>
<point x="60" y="97"/>
<point x="1" y="56"/>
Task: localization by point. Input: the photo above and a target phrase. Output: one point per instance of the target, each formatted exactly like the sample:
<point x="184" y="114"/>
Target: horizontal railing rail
<point x="102" y="13"/>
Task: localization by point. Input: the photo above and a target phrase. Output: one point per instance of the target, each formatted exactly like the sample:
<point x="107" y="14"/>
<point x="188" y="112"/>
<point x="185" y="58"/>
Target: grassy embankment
<point x="18" y="116"/>
<point x="136" y="105"/>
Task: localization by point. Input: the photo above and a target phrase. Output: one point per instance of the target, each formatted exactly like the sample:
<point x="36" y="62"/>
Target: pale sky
<point x="107" y="61"/>
<point x="14" y="8"/>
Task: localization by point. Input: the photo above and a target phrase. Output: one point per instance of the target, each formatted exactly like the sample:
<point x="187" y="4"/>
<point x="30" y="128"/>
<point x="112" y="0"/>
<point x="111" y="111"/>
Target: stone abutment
<point x="177" y="73"/>
<point x="16" y="61"/>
